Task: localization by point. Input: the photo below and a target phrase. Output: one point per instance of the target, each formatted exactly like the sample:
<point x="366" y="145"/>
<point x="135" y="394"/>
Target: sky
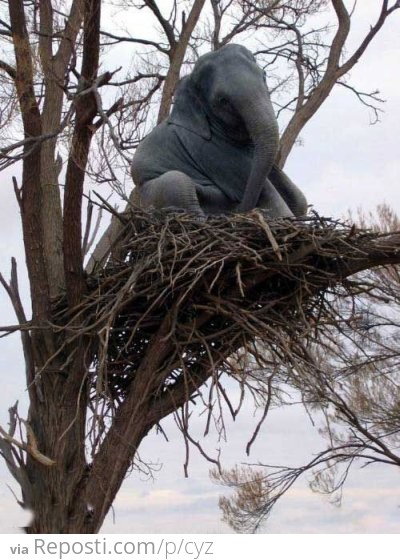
<point x="343" y="163"/>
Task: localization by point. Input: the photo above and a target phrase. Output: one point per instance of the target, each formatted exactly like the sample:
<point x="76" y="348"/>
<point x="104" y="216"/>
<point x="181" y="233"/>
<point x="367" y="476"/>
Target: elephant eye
<point x="222" y="101"/>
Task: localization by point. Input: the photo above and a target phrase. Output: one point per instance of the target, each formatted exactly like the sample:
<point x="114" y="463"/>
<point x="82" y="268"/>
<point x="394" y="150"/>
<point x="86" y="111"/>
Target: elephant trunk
<point x="262" y="126"/>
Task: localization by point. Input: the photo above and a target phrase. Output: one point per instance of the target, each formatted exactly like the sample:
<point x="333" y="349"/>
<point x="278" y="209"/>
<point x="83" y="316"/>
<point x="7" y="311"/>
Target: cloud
<point x="164" y="510"/>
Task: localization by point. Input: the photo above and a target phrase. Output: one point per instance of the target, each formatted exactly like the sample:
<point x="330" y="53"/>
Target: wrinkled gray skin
<point x="215" y="153"/>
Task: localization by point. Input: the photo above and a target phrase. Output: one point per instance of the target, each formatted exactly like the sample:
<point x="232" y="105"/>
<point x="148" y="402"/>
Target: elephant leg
<point x="213" y="201"/>
<point x="290" y="193"/>
<point x="173" y="190"/>
<point x="272" y="202"/>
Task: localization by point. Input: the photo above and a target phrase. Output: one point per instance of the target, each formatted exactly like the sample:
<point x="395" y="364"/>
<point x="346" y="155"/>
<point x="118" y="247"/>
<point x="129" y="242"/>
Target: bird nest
<point x="192" y="297"/>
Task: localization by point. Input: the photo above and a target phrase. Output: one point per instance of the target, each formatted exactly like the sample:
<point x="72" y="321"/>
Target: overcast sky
<point x="343" y="163"/>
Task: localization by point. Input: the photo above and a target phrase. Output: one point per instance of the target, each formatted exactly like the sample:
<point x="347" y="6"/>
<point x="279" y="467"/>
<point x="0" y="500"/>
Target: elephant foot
<point x="171" y="211"/>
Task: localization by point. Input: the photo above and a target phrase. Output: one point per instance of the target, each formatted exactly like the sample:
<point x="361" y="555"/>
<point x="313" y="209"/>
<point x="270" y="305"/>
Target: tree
<point x="100" y="376"/>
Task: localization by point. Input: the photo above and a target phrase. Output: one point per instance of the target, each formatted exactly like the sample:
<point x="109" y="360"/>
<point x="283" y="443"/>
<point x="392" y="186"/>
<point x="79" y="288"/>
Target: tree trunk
<point x="57" y="381"/>
<point x="59" y="423"/>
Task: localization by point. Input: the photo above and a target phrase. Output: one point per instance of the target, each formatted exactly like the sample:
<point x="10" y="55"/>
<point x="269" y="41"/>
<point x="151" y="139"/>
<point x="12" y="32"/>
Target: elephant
<point x="216" y="152"/>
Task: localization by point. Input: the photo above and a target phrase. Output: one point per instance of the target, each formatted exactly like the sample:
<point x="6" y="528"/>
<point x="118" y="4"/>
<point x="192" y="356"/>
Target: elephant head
<point x="227" y="93"/>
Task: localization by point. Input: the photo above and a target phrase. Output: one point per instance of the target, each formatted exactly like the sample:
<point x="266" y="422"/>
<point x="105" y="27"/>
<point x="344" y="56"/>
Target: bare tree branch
<point x="9" y="69"/>
<point x="177" y="54"/>
<point x="333" y="72"/>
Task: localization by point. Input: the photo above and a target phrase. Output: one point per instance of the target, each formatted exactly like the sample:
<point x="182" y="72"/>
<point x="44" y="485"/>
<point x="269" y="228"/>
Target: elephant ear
<point x="188" y="111"/>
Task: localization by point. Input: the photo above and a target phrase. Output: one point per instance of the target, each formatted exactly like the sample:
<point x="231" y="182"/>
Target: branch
<point x="217" y="13"/>
<point x="339" y="39"/>
<point x="176" y="59"/>
<point x="85" y="112"/>
<point x="104" y="119"/>
<point x="354" y="58"/>
<point x="332" y="73"/>
<point x="30" y="447"/>
<point x="167" y="27"/>
<point x="9" y="69"/>
<point x="31" y="189"/>
<point x="69" y="36"/>
<point x="244" y="23"/>
<point x="88" y="242"/>
<point x="46" y="33"/>
<point x="7" y="26"/>
<point x="362" y="97"/>
<point x="121" y="39"/>
<point x="12" y="290"/>
<point x="30" y="144"/>
<point x="127" y="431"/>
<point x="13" y="461"/>
<point x="24" y="69"/>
